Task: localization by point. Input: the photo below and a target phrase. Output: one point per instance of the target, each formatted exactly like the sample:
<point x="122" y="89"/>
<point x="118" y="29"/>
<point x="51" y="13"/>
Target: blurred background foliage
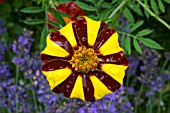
<point x="144" y="30"/>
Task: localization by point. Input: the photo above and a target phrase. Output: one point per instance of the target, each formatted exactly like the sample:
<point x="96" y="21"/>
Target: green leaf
<point x="34" y="22"/>
<point x="44" y="34"/>
<point x="136" y="25"/>
<point x="32" y="10"/>
<point x="63" y="14"/>
<point x="146" y="13"/>
<point x="85" y="6"/>
<point x="114" y="1"/>
<point x="58" y="18"/>
<point x="99" y="2"/>
<point x="106" y="5"/>
<point x="123" y="42"/>
<point x="136" y="8"/>
<point x="144" y="32"/>
<point x="128" y="45"/>
<point x="91" y="1"/>
<point x="64" y="1"/>
<point x="54" y="24"/>
<point x="150" y="43"/>
<point x="136" y="45"/>
<point x="154" y="6"/>
<point x="167" y="1"/>
<point x="128" y="15"/>
<point x="161" y="6"/>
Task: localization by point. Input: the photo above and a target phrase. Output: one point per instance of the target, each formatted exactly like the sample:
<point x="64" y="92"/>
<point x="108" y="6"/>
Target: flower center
<point x="84" y="60"/>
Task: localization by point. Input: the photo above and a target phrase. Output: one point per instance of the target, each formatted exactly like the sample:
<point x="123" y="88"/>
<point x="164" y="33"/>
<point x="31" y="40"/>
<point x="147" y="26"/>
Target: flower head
<point x="84" y="60"/>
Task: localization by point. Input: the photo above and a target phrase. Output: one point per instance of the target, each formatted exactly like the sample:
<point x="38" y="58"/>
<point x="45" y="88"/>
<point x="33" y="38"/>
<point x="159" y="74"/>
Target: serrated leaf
<point x="34" y="22"/>
<point x="85" y="6"/>
<point x="58" y="17"/>
<point x="136" y="45"/>
<point x="44" y="34"/>
<point x="146" y="13"/>
<point x="128" y="15"/>
<point x="54" y="24"/>
<point x="150" y="43"/>
<point x="136" y="25"/>
<point x="144" y="32"/>
<point x="161" y="6"/>
<point x="32" y="10"/>
<point x="154" y="6"/>
<point x="128" y="45"/>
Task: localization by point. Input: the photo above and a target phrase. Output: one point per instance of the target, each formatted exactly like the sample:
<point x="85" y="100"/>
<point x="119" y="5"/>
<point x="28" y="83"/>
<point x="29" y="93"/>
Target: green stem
<point x="163" y="66"/>
<point x="118" y="15"/>
<point x="169" y="99"/>
<point x="133" y="36"/>
<point x="153" y="14"/>
<point x="150" y="107"/>
<point x="118" y="8"/>
<point x="127" y="81"/>
<point x="17" y="77"/>
<point x="34" y="97"/>
<point x="140" y="92"/>
<point x="160" y="92"/>
<point x="160" y="99"/>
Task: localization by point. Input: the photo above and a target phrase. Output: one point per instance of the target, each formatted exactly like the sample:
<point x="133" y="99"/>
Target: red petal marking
<point x="88" y="88"/>
<point x="47" y="58"/>
<point x="60" y="40"/>
<point x="81" y="31"/>
<point x="123" y="62"/>
<point x="69" y="83"/>
<point x="74" y="22"/>
<point x="102" y="27"/>
<point x="58" y="89"/>
<point x="102" y="38"/>
<point x="107" y="80"/>
<point x="111" y="58"/>
<point x="55" y="65"/>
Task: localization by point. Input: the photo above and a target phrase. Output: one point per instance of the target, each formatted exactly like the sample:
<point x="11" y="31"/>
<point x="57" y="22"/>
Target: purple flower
<point x="133" y="65"/>
<point x="4" y="70"/>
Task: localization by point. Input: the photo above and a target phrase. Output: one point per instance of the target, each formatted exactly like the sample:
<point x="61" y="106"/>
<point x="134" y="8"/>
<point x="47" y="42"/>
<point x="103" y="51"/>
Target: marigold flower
<point x="84" y="60"/>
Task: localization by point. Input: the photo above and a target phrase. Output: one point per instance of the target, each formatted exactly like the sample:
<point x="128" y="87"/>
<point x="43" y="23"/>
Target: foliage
<point x="142" y="26"/>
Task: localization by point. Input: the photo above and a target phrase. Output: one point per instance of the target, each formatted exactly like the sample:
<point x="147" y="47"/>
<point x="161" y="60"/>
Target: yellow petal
<point x="68" y="32"/>
<point x="56" y="77"/>
<point x="117" y="72"/>
<point x="54" y="50"/>
<point x="111" y="46"/>
<point x="100" y="90"/>
<point x="92" y="28"/>
<point x="78" y="89"/>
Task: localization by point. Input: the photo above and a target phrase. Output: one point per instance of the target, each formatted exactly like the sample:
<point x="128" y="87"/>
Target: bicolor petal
<point x="115" y="70"/>
<point x="56" y="72"/>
